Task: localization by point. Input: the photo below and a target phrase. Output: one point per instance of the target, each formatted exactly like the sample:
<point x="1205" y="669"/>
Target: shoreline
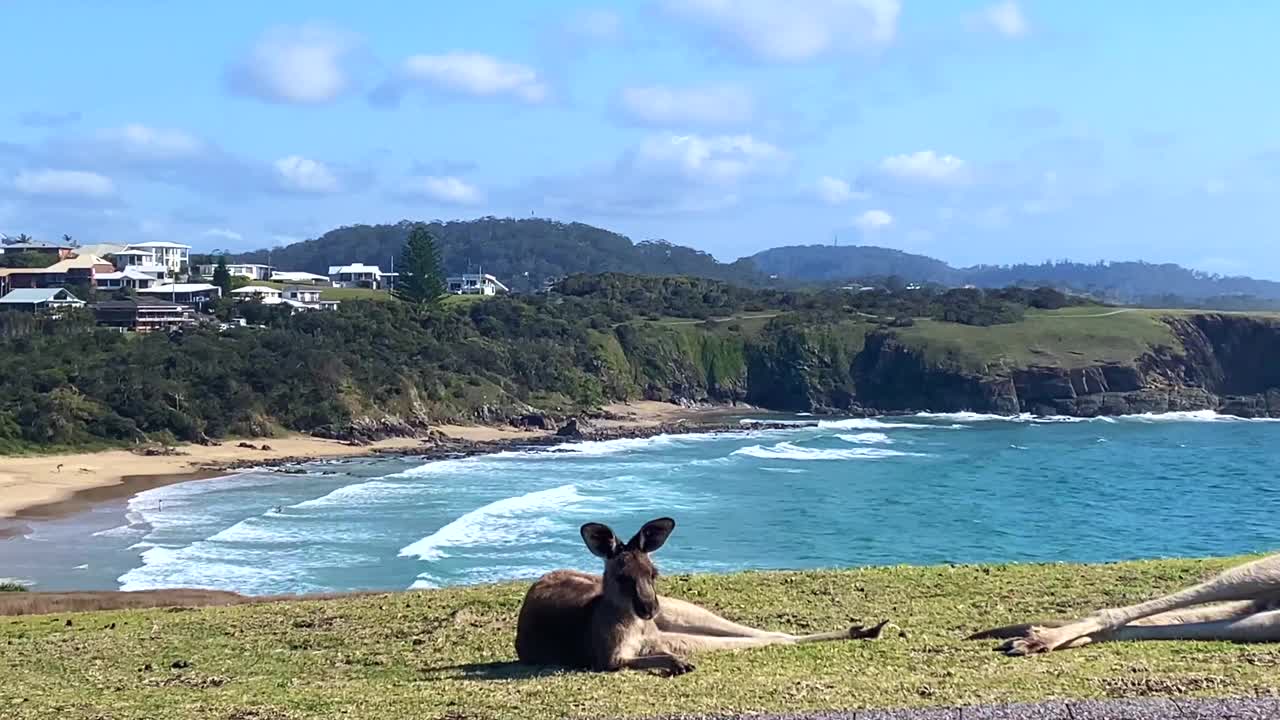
<point x="56" y="486"/>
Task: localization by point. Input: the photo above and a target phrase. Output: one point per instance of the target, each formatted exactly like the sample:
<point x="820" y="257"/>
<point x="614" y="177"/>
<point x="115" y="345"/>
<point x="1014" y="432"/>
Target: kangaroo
<point x="619" y="621"/>
<point x="1243" y="606"/>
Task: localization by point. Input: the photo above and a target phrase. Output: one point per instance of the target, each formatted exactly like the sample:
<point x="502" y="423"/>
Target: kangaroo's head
<point x="630" y="578"/>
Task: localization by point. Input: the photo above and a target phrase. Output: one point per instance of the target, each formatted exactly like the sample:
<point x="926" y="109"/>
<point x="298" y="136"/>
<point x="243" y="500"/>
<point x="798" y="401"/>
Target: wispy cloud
<point x="302" y="65"/>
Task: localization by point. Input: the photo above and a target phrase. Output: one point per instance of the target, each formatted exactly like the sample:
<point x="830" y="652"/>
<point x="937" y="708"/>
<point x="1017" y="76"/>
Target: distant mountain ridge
<point x="524" y="252"/>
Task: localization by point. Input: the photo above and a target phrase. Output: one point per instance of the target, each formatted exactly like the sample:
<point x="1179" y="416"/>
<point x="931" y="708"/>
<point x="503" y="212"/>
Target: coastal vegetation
<point x="449" y="653"/>
<point x="601" y="338"/>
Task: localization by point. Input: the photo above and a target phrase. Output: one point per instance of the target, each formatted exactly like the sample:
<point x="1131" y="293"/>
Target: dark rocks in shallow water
<point x="574" y="428"/>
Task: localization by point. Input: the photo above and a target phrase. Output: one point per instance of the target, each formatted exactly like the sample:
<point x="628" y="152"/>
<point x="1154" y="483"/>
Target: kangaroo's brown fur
<point x="618" y="621"/>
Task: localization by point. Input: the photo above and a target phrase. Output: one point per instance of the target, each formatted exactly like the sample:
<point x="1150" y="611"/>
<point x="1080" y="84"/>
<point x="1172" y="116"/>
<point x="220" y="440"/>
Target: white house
<point x="143" y="261"/>
<point x="186" y="293"/>
<point x="261" y="293"/>
<point x="359" y="275"/>
<point x="127" y="278"/>
<point x="299" y="277"/>
<point x="475" y="284"/>
<point x="308" y="295"/>
<point x="175" y="257"/>
<point x="244" y="270"/>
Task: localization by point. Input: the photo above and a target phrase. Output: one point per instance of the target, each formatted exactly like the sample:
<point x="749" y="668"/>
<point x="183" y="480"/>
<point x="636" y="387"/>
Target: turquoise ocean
<point x="923" y="489"/>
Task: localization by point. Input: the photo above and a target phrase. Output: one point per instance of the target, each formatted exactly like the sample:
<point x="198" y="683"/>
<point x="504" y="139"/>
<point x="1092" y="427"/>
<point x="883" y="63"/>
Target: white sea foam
<point x="373" y="492"/>
<point x="875" y="424"/>
<point x="502" y="522"/>
<point x="867" y="438"/>
<point x="1182" y="416"/>
<point x="790" y="451"/>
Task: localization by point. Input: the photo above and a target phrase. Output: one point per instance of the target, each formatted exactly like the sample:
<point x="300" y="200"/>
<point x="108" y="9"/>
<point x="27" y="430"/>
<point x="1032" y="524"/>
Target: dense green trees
<point x="419" y="281"/>
<point x="603" y="337"/>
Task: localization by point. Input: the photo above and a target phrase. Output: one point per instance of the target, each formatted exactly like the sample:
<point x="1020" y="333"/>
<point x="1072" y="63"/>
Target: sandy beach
<point x="53" y="485"/>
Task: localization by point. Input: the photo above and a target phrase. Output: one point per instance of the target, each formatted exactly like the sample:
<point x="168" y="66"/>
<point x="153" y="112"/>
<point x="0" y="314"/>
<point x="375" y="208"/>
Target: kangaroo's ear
<point x="652" y="535"/>
<point x="600" y="540"/>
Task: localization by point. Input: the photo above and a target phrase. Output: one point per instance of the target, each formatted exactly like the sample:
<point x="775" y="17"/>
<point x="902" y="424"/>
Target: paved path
<point x="1233" y="709"/>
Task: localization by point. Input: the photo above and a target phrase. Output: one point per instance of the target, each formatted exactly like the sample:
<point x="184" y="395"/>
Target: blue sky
<point x="976" y="132"/>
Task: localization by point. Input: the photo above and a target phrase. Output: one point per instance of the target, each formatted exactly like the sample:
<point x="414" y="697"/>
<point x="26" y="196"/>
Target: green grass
<point x="333" y="293"/>
<point x="447" y="654"/>
<point x="1069" y="338"/>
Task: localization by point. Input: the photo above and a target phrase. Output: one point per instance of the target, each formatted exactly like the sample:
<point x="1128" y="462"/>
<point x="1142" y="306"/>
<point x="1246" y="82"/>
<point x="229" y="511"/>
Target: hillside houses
<point x="474" y="284"/>
<point x="250" y="271"/>
<point x="359" y="275"/>
<point x="136" y="287"/>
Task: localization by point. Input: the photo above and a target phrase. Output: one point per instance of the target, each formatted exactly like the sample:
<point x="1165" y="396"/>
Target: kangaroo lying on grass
<point x="619" y="621"/>
<point x="1246" y="608"/>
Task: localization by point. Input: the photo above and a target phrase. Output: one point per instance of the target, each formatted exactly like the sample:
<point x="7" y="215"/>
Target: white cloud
<point x="721" y="159"/>
<point x="873" y="220"/>
<point x="223" y="234"/>
<point x="672" y="107"/>
<point x="1005" y="18"/>
<point x="77" y="183"/>
<point x="305" y="175"/>
<point x="792" y="31"/>
<point x="467" y="74"/>
<point x="444" y="189"/>
<point x="834" y="191"/>
<point x="925" y="166"/>
<point x="304" y="65"/>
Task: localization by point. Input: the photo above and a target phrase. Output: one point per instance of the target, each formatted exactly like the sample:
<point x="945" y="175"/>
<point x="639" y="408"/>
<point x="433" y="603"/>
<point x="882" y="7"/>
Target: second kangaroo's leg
<point x="1205" y="613"/>
<point x="1255" y="580"/>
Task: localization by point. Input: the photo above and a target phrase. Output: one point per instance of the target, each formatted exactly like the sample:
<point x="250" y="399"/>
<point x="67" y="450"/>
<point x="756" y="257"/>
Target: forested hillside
<point x="521" y="252"/>
<point x="602" y="338"/>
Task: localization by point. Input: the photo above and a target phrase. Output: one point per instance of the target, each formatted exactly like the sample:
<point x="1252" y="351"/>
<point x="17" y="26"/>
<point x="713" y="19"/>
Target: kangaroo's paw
<point x="1035" y="641"/>
<point x="677" y="666"/>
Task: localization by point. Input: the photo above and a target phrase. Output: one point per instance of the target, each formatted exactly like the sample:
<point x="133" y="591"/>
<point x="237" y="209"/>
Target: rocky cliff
<point x="1227" y="363"/>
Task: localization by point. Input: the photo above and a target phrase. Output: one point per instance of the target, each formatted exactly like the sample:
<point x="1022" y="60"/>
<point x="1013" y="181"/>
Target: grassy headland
<point x="449" y="653"/>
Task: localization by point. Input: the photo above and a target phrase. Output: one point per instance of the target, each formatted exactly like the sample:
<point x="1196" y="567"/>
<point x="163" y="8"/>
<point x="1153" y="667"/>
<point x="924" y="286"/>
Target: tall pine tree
<point x="222" y="276"/>
<point x="420" y="281"/>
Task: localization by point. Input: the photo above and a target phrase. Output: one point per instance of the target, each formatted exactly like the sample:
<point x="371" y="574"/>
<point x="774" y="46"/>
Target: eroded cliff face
<point x="1227" y="363"/>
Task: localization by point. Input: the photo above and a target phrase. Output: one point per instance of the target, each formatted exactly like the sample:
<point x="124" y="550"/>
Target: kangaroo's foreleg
<point x="1251" y="581"/>
<point x="663" y="662"/>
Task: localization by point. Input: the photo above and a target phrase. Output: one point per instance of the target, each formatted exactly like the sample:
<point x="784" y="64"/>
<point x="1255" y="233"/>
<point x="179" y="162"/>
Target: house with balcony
<point x="359" y="275"/>
<point x="475" y="284"/>
<point x="251" y="271"/>
<point x="257" y="293"/>
<point x="174" y="257"/>
<point x="129" y="278"/>
<point x="142" y="314"/>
